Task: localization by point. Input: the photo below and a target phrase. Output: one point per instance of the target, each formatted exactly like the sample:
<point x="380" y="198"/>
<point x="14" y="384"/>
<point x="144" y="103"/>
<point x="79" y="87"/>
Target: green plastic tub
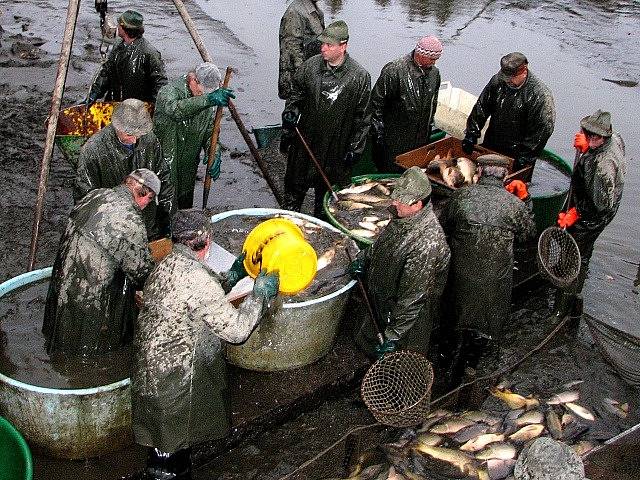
<point x="15" y="456"/>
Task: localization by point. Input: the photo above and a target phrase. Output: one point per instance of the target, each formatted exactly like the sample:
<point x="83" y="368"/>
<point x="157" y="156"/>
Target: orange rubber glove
<point x="518" y="188"/>
<point x="580" y="142"/>
<point x="566" y="220"/>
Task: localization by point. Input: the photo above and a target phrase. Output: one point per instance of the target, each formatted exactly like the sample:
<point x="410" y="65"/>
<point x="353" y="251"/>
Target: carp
<point x="467" y="168"/>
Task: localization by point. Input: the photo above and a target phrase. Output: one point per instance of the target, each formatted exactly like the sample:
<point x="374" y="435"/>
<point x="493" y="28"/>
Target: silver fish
<point x="467" y="168"/>
<point x="351" y="205"/>
<point x="430" y="439"/>
<point x="368" y="226"/>
<point x="372" y="219"/>
<point x="478" y="443"/>
<point x="564" y="397"/>
<point x="571" y="385"/>
<point x="580" y="411"/>
<point x="500" y="468"/>
<point x="500" y="450"/>
<point x="615" y="408"/>
<point x="384" y="190"/>
<point x="567" y="418"/>
<point x="364" y="197"/>
<point x="326" y="258"/>
<point x="465" y="463"/>
<point x="451" y="425"/>
<point x="476" y="416"/>
<point x="527" y="433"/>
<point x="553" y="424"/>
<point x="383" y="223"/>
<point x="470" y="432"/>
<point x="357" y="188"/>
<point x="533" y="416"/>
<point x="361" y="232"/>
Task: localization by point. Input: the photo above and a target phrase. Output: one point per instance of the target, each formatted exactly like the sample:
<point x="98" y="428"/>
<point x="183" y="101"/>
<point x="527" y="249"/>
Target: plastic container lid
<point x="294" y="259"/>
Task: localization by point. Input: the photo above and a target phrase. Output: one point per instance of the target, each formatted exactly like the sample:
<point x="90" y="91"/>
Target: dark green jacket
<point x="300" y="26"/>
<point x="522" y="119"/>
<point x="406" y="272"/>
<point x="130" y="71"/>
<point x="333" y="103"/>
<point x="404" y="101"/>
<point x="481" y="222"/>
<point x="179" y="391"/>
<point x="104" y="162"/>
<point x="183" y="124"/>
<point x="102" y="259"/>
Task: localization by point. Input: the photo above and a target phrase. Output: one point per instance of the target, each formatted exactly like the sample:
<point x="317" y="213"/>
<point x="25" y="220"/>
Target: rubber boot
<point x="158" y="466"/>
<point x="562" y="305"/>
<point x="576" y="312"/>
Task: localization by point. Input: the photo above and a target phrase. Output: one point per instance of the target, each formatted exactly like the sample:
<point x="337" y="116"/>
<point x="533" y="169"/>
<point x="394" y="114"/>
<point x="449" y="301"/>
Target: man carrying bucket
<point x="178" y="385"/>
<point x="183" y="121"/>
<point x="133" y="69"/>
<point x="328" y="104"/>
<point x="596" y="191"/>
<point x="102" y="259"/>
<point x="522" y="113"/>
<point x="120" y="147"/>
<point x="403" y="103"/>
<point x="405" y="270"/>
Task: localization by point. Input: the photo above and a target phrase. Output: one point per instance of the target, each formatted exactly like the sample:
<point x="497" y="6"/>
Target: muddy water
<point x="23" y="356"/>
<point x="548" y="180"/>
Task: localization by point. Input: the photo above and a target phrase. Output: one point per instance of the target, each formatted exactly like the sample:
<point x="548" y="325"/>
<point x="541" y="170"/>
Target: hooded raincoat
<point x="404" y="101"/>
<point x="130" y="71"/>
<point x="334" y="119"/>
<point x="104" y="162"/>
<point x="300" y="26"/>
<point x="183" y="123"/>
<point x="406" y="272"/>
<point x="482" y="221"/>
<point x="178" y="385"/>
<point x="597" y="184"/>
<point x="102" y="259"/>
<point x="522" y="119"/>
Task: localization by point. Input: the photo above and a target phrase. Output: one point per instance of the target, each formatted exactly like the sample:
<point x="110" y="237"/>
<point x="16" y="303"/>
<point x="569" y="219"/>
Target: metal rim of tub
<point x="262" y="212"/>
<point x="21" y="281"/>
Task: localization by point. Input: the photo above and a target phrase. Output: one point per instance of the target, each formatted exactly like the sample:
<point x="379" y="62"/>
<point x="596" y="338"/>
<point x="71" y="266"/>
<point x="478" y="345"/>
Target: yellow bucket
<point x="279" y="245"/>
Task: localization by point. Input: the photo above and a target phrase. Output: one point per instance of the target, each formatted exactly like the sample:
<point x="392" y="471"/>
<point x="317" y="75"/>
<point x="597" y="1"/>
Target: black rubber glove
<point x="289" y="119"/>
<point x="468" y="143"/>
<point x="286" y="140"/>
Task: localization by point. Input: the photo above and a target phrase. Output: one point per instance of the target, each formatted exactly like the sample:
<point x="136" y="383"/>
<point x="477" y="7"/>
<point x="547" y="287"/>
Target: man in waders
<point x="597" y="183"/>
<point x="522" y="113"/>
<point x="300" y="26"/>
<point x="405" y="271"/>
<point x="183" y="122"/>
<point x="328" y="103"/>
<point x="481" y="222"/>
<point x="102" y="259"/>
<point x="403" y="103"/>
<point x="133" y="69"/>
<point x="120" y="147"/>
<point x="178" y="386"/>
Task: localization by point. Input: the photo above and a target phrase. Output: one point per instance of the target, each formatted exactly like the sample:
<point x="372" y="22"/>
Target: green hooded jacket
<point x="300" y="26"/>
<point x="104" y="162"/>
<point x="404" y="101"/>
<point x="183" y="124"/>
<point x="130" y="71"/>
<point x="179" y="393"/>
<point x="333" y="103"/>
<point x="481" y="222"/>
<point x="406" y="272"/>
<point x="102" y="259"/>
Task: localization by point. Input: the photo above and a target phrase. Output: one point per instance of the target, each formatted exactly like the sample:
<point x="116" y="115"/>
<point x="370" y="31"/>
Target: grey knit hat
<point x="146" y="177"/>
<point x="208" y="75"/>
<point x="412" y="186"/>
<point x="511" y="63"/>
<point x="336" y="33"/>
<point x="598" y="123"/>
<point x="132" y="117"/>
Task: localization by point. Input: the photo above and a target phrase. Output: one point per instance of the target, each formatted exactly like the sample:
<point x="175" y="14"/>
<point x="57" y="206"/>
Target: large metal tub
<point x="74" y="424"/>
<point x="299" y="333"/>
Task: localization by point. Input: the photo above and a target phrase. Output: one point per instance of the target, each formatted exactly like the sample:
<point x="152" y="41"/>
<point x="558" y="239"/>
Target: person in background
<point x="522" y="114"/>
<point x="300" y="26"/>
<point x="178" y="386"/>
<point x="596" y="191"/>
<point x="102" y="259"/>
<point x="405" y="271"/>
<point x="403" y="103"/>
<point x="183" y="122"/>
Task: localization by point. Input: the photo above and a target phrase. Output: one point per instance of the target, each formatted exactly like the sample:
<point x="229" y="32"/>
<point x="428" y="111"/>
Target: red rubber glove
<point x="518" y="188"/>
<point x="580" y="142"/>
<point x="566" y="220"/>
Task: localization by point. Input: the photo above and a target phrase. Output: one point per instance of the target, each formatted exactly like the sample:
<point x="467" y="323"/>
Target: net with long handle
<point x="558" y="257"/>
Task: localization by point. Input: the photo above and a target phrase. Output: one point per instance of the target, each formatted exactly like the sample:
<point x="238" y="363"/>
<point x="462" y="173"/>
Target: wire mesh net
<point x="558" y="257"/>
<point x="397" y="389"/>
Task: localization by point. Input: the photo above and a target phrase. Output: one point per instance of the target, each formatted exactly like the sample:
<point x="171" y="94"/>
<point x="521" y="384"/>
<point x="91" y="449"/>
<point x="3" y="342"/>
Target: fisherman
<point x="102" y="259"/>
<point x="403" y="103"/>
<point x="133" y="69"/>
<point x="522" y="113"/>
<point x="178" y="385"/>
<point x="405" y="270"/>
<point x="183" y="121"/>
<point x="481" y="222"/>
<point x="596" y="191"/>
<point x="328" y="103"/>
<point x="300" y="26"/>
<point x="124" y="145"/>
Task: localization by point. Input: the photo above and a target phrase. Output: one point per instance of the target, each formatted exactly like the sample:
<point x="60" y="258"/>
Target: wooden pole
<point x="52" y="123"/>
<point x="215" y="135"/>
<point x="232" y="108"/>
<point x="317" y="164"/>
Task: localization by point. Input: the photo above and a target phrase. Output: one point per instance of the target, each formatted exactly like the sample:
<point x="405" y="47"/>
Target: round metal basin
<point x="66" y="423"/>
<point x="299" y="333"/>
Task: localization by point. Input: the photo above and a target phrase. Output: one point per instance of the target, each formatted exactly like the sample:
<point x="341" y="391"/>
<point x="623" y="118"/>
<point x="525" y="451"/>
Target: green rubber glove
<point x="266" y="285"/>
<point x="236" y="273"/>
<point x="357" y="268"/>
<point x="220" y="97"/>
<point x="214" y="171"/>
<point x="388" y="346"/>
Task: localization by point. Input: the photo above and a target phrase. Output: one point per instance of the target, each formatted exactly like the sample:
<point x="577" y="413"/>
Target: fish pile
<point x="485" y="445"/>
<point x="363" y="208"/>
<point x="455" y="172"/>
